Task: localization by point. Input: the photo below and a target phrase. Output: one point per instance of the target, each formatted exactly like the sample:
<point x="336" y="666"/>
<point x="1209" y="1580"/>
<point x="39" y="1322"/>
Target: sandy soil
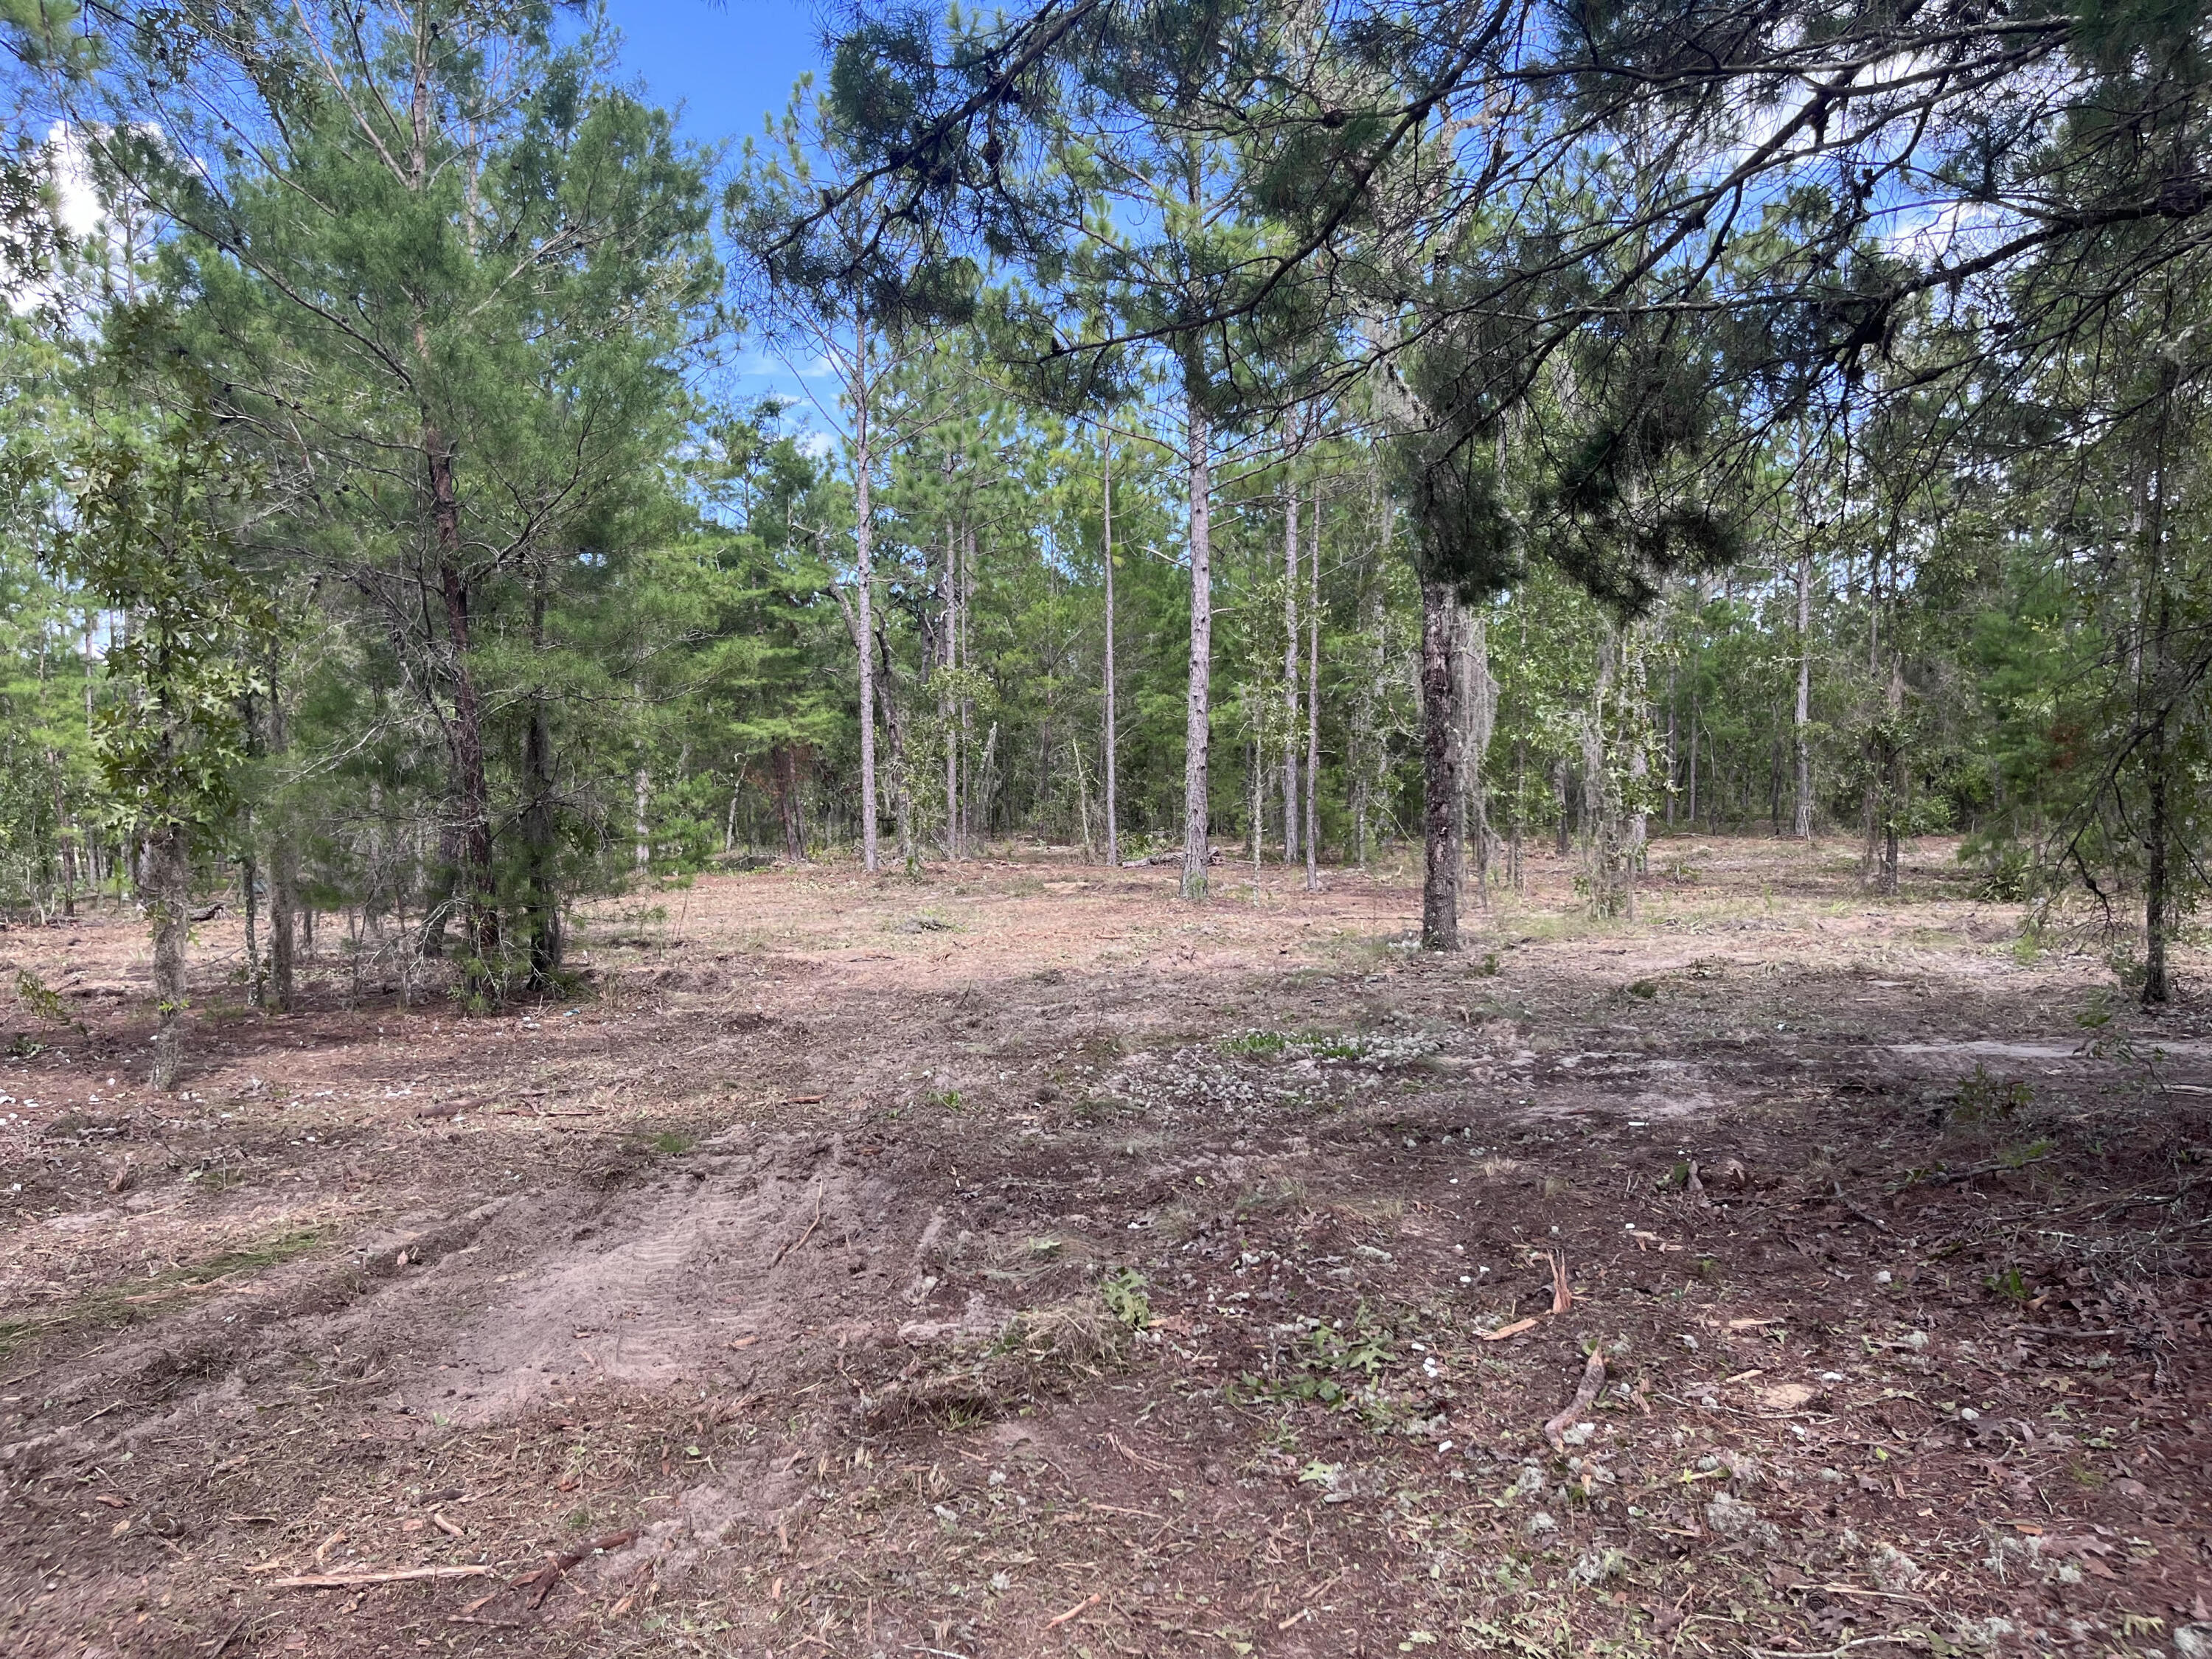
<point x="1012" y="1261"/>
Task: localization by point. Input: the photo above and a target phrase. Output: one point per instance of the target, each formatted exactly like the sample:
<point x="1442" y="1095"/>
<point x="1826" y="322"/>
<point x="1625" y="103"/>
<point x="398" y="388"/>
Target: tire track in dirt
<point x="728" y="1267"/>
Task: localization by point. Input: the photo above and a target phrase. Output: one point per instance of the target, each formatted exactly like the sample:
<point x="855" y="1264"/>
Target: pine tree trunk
<point x="1255" y="769"/>
<point x="967" y="704"/>
<point x="169" y="893"/>
<point x="1610" y="893"/>
<point x="1313" y="697"/>
<point x="784" y="760"/>
<point x="1673" y="767"/>
<point x="541" y="880"/>
<point x="248" y="881"/>
<point x="1198" y="713"/>
<point x="2158" y="829"/>
<point x="979" y="798"/>
<point x="864" y="627"/>
<point x="1082" y="798"/>
<point x="1362" y="757"/>
<point x="1802" y="821"/>
<point x="1440" y="785"/>
<point x="1290" y="677"/>
<point x="1693" y="813"/>
<point x="949" y="656"/>
<point x="895" y="732"/>
<point x="284" y="867"/>
<point x="1113" y="758"/>
<point x="641" y="827"/>
<point x="471" y="785"/>
<point x="1513" y="871"/>
<point x="1893" y="773"/>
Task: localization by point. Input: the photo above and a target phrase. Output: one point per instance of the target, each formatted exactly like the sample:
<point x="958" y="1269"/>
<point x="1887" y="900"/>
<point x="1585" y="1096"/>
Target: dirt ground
<point x="1012" y="1261"/>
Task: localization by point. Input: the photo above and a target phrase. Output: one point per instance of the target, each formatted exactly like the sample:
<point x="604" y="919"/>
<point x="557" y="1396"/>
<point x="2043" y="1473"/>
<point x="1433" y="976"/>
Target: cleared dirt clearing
<point x="1012" y="1261"/>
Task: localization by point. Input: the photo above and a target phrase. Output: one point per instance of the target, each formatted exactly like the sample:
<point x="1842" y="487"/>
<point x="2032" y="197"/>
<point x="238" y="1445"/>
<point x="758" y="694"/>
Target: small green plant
<point x="947" y="1098"/>
<point x="1330" y="1362"/>
<point x="1123" y="1292"/>
<point x="1489" y="968"/>
<point x="2007" y="871"/>
<point x="1982" y="1099"/>
<point x="2127" y="966"/>
<point x="1644" y="990"/>
<point x="44" y="1002"/>
<point x="2010" y="1285"/>
<point x="24" y="1045"/>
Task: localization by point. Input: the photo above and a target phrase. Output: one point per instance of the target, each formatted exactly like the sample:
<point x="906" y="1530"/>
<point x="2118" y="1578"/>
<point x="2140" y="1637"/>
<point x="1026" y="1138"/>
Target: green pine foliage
<point x="382" y="509"/>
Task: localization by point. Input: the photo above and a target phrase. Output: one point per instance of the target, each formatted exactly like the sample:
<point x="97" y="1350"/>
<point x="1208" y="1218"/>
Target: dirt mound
<point x="727" y="1261"/>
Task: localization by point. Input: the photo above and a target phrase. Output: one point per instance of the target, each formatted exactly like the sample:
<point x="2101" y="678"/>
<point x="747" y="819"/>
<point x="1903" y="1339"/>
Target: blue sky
<point x="725" y="66"/>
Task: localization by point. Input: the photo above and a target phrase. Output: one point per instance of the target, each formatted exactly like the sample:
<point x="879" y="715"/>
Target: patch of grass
<point x="947" y="1098"/>
<point x="113" y="1305"/>
<point x="1304" y="1045"/>
<point x="1272" y="1197"/>
<point x="1181" y="1223"/>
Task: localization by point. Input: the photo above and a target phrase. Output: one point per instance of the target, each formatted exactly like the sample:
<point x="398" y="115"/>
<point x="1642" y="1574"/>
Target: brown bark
<point x="1440" y="764"/>
<point x="864" y="531"/>
<point x="464" y="731"/>
<point x="2157" y="987"/>
<point x="949" y="656"/>
<point x="1313" y="696"/>
<point x="1290" y="678"/>
<point x="784" y="760"/>
<point x="283" y="870"/>
<point x="168" y="891"/>
<point x="1802" y="820"/>
<point x="1198" y="711"/>
<point x="1106" y="547"/>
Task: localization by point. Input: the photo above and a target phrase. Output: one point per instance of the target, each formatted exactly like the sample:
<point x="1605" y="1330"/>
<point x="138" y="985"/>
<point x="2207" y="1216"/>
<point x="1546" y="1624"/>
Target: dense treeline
<point x="1262" y="435"/>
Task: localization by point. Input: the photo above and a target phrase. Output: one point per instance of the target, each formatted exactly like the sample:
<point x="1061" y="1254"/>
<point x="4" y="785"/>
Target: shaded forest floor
<point x="1013" y="1261"/>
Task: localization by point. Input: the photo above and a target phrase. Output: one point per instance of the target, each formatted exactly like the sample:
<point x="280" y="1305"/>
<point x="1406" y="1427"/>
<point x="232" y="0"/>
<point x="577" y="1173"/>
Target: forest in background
<point x="1288" y="434"/>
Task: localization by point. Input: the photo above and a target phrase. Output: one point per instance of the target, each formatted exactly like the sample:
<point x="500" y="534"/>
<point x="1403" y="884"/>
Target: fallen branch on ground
<point x="545" y="1577"/>
<point x="1585" y="1396"/>
<point x="1089" y="1601"/>
<point x="399" y="1576"/>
